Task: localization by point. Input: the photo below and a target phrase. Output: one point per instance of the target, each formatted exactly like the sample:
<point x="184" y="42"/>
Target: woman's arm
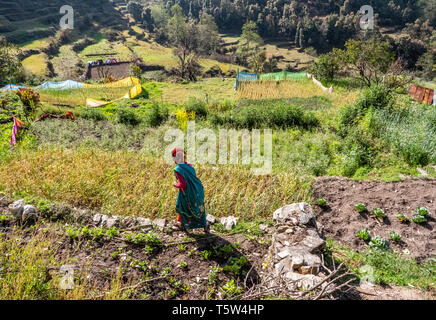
<point x="181" y="184"/>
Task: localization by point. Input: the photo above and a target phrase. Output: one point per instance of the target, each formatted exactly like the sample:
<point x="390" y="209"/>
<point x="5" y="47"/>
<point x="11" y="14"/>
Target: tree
<point x="177" y="27"/>
<point x="426" y="65"/>
<point x="11" y="69"/>
<point x="209" y="39"/>
<point x="370" y="60"/>
<point x="249" y="46"/>
<point x="326" y="67"/>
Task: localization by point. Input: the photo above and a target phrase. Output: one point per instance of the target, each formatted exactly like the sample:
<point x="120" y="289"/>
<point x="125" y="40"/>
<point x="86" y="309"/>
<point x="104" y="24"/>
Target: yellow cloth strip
<point x="133" y="92"/>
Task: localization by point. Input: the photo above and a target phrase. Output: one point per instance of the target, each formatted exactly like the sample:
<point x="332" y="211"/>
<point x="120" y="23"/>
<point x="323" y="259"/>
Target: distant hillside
<point x="26" y="20"/>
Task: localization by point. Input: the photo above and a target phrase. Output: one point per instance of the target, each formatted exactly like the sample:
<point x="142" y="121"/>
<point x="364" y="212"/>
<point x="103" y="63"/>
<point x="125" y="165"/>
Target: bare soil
<point x="341" y="221"/>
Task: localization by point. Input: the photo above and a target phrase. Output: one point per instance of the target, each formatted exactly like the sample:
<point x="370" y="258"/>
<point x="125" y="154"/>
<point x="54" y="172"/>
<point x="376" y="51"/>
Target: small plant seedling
<point x="183" y="264"/>
<point x="395" y="236"/>
<point x="422" y="211"/>
<point x="206" y="254"/>
<point x="378" y="213"/>
<point x="364" y="234"/>
<point x="379" y="243"/>
<point x="360" y="207"/>
<point x="213" y="274"/>
<point x="402" y="218"/>
<point x="231" y="289"/>
<point x="321" y="202"/>
<point x="419" y="219"/>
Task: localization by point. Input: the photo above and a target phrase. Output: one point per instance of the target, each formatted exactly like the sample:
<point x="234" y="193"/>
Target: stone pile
<point x="24" y="212"/>
<point x="296" y="245"/>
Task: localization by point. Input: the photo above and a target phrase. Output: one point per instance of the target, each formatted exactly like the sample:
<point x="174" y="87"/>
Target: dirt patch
<point x="341" y="221"/>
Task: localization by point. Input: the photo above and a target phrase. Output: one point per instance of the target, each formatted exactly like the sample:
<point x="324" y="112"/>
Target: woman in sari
<point x="190" y="202"/>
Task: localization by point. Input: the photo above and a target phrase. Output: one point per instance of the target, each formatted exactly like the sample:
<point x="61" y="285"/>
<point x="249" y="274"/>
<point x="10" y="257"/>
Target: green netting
<point x="284" y="75"/>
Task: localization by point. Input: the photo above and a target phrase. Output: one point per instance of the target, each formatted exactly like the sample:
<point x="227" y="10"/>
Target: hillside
<point x="310" y="165"/>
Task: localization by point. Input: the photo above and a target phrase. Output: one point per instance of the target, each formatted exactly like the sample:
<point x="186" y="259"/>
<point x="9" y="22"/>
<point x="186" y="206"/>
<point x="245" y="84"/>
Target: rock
<point x="229" y="222"/>
<point x="30" y="216"/>
<point x="4" y="200"/>
<point x="17" y="208"/>
<point x="104" y="219"/>
<point x="297" y="213"/>
<point x="283" y="254"/>
<point x="211" y="219"/>
<point x="144" y="222"/>
<point x="422" y="172"/>
<point x="263" y="226"/>
<point x="160" y="223"/>
<point x="112" y="221"/>
<point x="297" y="262"/>
<point x="283" y="266"/>
<point x="305" y="270"/>
<point x="303" y="281"/>
<point x="28" y="209"/>
<point x="313" y="243"/>
<point x="96" y="219"/>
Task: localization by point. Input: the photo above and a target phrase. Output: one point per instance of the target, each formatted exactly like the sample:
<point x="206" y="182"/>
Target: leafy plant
<point x="321" y="202"/>
<point x="206" y="254"/>
<point x="419" y="219"/>
<point x="422" y="211"/>
<point x="378" y="213"/>
<point x="213" y="274"/>
<point x="395" y="236"/>
<point x="379" y="243"/>
<point x="128" y="117"/>
<point x="402" y="218"/>
<point x="230" y="289"/>
<point x="236" y="265"/>
<point x="364" y="234"/>
<point x="360" y="207"/>
<point x="183" y="264"/>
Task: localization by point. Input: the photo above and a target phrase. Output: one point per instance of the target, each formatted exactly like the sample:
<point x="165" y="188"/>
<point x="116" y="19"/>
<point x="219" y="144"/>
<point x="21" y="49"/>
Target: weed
<point x="166" y="271"/>
<point x="183" y="265"/>
<point x="181" y="247"/>
<point x="236" y="265"/>
<point x="213" y="274"/>
<point x="230" y="289"/>
<point x="206" y="254"/>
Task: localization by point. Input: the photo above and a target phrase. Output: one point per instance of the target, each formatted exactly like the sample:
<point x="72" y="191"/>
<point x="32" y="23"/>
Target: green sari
<point x="190" y="202"/>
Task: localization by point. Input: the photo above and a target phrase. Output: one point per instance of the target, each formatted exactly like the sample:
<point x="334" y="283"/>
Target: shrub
<point x="158" y="115"/>
<point x="128" y="117"/>
<point x="93" y="114"/>
<point x="183" y="117"/>
<point x="279" y="115"/>
<point x="379" y="243"/>
<point x="198" y="107"/>
<point x="364" y="234"/>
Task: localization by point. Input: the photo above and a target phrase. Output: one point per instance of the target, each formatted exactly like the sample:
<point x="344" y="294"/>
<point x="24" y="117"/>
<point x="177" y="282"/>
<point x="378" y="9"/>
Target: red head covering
<point x="179" y="155"/>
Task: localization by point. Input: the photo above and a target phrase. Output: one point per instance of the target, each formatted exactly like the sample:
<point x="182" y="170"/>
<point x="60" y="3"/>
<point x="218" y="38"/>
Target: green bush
<point x="158" y="115"/>
<point x="127" y="117"/>
<point x="197" y="106"/>
<point x="278" y="115"/>
<point x="93" y="114"/>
